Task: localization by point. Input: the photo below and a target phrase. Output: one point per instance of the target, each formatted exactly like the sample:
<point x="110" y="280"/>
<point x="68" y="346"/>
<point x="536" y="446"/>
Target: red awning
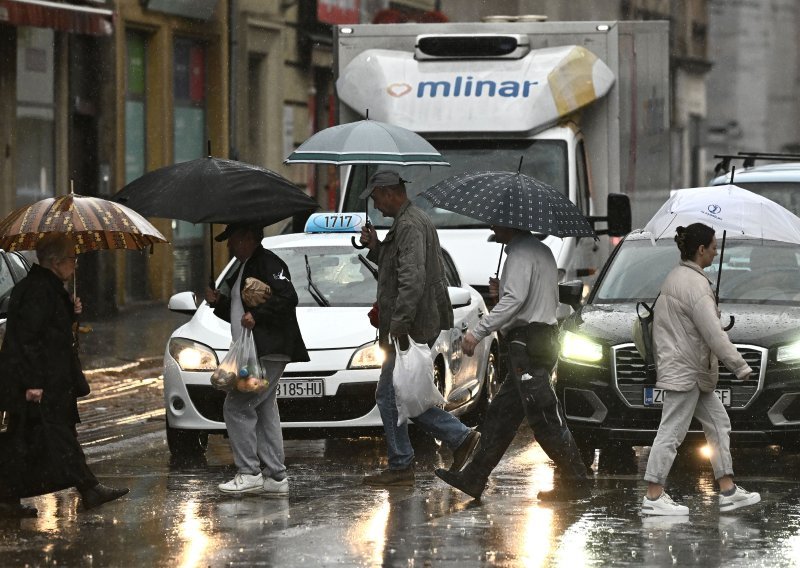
<point x="62" y="16"/>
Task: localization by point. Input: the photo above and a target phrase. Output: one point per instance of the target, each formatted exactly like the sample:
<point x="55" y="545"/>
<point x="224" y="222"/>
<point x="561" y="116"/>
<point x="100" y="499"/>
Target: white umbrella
<point x="726" y="208"/>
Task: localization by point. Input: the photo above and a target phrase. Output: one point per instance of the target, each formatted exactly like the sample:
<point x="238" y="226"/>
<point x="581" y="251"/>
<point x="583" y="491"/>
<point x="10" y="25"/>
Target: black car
<point x="13" y="268"/>
<point x="611" y="401"/>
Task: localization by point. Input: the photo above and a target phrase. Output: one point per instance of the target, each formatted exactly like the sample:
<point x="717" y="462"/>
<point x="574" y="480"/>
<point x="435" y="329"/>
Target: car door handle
<point x="480" y="313"/>
<point x="464" y="327"/>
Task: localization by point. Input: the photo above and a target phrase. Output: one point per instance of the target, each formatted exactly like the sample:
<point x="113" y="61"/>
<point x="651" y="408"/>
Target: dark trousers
<point x="527" y="393"/>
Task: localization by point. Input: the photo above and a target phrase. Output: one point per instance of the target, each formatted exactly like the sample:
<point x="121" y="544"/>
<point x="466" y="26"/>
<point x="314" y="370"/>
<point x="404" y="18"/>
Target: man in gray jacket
<point x="412" y="303"/>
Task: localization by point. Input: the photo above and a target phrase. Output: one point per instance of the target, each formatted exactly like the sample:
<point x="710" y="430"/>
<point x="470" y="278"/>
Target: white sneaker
<point x="243" y="483"/>
<point x="276" y="488"/>
<point x="664" y="505"/>
<point x="740" y="498"/>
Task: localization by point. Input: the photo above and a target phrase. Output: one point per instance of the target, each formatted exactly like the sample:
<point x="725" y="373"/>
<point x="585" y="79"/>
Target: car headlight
<point x="789" y="353"/>
<point x="192" y="356"/>
<point x="578" y="348"/>
<point x="369" y="356"/>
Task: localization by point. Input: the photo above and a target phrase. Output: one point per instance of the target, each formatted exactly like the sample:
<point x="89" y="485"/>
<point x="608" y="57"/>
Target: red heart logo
<point x="398" y="89"/>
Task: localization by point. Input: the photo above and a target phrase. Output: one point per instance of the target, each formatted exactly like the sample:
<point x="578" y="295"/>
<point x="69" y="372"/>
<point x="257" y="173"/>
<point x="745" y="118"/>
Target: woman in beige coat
<point x="689" y="340"/>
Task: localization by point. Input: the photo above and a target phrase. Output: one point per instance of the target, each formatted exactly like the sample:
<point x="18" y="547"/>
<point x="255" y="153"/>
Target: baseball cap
<point x="232" y="228"/>
<point x="382" y="178"/>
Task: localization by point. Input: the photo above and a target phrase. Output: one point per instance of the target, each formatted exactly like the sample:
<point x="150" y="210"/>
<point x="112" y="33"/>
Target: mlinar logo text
<point x="464" y="87"/>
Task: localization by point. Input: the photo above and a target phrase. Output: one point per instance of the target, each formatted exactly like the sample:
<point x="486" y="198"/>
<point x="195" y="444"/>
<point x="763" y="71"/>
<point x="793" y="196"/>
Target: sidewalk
<point x="135" y="334"/>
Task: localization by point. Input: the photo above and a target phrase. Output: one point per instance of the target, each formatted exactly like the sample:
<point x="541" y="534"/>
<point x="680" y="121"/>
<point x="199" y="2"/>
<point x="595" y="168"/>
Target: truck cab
<point x="559" y="101"/>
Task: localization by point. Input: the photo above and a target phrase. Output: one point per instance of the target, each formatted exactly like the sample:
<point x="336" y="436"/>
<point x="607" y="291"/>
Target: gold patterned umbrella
<point x="93" y="223"/>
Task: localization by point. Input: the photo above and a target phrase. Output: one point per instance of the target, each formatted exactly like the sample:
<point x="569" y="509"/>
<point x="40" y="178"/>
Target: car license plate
<point x="655" y="397"/>
<point x="300" y="388"/>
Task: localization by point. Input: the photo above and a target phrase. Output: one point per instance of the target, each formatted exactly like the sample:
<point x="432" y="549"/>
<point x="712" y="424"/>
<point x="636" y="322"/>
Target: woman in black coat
<point x="40" y="382"/>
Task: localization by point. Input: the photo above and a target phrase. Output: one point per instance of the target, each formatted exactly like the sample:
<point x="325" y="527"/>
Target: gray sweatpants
<point x="676" y="415"/>
<point x="254" y="426"/>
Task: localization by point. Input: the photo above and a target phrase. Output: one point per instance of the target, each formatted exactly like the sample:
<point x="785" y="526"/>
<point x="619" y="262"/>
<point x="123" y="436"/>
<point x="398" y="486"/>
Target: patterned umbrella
<point x="93" y="223"/>
<point x="508" y="199"/>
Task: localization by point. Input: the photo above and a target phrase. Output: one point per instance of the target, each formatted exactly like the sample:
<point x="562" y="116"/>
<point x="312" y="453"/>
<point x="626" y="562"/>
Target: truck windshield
<point x="753" y="272"/>
<point x="545" y="160"/>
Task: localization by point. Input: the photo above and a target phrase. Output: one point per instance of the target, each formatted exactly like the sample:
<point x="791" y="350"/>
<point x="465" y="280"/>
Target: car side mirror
<point x="570" y="293"/>
<point x="618" y="206"/>
<point x="459" y="297"/>
<point x="183" y="303"/>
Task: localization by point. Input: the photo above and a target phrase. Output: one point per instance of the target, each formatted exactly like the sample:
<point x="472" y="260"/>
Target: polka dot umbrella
<point x="510" y="199"/>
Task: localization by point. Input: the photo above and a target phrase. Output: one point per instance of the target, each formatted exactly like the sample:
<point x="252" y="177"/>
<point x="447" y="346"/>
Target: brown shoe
<point x="391" y="477"/>
<point x="463" y="452"/>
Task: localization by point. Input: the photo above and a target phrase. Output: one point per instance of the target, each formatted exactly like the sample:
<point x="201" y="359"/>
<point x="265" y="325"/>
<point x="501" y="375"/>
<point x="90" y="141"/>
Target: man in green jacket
<point x="412" y="303"/>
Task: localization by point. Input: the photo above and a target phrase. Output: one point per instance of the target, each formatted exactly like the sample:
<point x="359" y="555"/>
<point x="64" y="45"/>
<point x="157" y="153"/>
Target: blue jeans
<point x="435" y="421"/>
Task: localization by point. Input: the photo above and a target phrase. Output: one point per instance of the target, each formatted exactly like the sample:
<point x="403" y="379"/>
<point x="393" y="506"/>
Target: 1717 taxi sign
<point x="335" y="223"/>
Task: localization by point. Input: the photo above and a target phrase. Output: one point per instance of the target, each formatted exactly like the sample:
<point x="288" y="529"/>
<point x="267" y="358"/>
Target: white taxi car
<point x="334" y="392"/>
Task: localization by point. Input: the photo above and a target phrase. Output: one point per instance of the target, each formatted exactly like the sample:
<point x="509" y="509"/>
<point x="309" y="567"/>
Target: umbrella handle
<point x="357" y="244"/>
<point x="730" y="325"/>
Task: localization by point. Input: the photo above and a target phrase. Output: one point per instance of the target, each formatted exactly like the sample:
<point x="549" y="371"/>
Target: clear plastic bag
<point x="240" y="369"/>
<point x="414" y="389"/>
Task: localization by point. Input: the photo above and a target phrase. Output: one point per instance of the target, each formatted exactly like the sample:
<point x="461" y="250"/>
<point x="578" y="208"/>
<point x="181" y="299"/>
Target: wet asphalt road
<point x="174" y="516"/>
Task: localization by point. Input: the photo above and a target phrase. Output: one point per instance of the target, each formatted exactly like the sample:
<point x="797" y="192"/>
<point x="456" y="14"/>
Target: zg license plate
<point x="300" y="388"/>
<point x="655" y="397"/>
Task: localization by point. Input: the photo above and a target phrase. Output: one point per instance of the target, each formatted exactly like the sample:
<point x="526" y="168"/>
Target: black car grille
<point x="631" y="376"/>
<point x="352" y="400"/>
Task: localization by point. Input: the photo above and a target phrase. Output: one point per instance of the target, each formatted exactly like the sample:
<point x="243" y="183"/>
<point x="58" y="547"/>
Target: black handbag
<point x="643" y="334"/>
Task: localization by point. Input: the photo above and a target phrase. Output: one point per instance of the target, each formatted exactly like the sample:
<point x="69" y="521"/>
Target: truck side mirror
<point x="619" y="215"/>
<point x="570" y="293"/>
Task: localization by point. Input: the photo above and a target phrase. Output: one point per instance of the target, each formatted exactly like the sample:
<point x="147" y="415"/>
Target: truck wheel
<point x="186" y="443"/>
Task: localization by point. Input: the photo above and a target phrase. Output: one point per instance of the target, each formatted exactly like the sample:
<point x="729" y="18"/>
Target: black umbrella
<point x="509" y="199"/>
<point x="214" y="190"/>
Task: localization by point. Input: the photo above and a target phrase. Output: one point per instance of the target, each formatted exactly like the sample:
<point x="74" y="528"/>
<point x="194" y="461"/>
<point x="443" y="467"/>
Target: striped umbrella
<point x="93" y="223"/>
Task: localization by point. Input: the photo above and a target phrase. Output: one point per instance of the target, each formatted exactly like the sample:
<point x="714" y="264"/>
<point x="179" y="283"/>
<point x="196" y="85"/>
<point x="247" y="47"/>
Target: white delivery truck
<point x="583" y="106"/>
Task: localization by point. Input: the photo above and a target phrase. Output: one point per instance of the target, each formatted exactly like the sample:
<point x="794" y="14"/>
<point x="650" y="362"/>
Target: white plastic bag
<point x="240" y="368"/>
<point x="414" y="389"/>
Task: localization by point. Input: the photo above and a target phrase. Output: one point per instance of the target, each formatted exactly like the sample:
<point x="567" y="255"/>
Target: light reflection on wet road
<point x="174" y="515"/>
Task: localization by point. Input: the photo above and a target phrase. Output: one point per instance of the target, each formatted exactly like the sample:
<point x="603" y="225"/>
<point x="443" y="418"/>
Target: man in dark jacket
<point x="40" y="382"/>
<point x="252" y="419"/>
<point x="412" y="303"/>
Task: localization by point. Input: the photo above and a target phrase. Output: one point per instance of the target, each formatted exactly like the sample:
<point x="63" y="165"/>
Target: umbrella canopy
<point x="726" y="208"/>
<point x="213" y="190"/>
<point x="509" y="199"/>
<point x="93" y="223"/>
<point x="366" y="142"/>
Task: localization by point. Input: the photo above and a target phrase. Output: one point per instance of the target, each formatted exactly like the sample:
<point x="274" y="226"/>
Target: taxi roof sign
<point x="335" y="222"/>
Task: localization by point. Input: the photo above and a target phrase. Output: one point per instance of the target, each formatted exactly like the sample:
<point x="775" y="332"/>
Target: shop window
<point x="35" y="158"/>
<point x="189" y="134"/>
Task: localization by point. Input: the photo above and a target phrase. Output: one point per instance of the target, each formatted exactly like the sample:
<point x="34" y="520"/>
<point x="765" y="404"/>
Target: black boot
<point x="99" y="494"/>
<point x="14" y="509"/>
<point x="462" y="481"/>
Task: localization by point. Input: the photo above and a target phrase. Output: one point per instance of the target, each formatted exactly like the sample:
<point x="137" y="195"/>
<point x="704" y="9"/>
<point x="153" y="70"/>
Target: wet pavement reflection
<point x="174" y="516"/>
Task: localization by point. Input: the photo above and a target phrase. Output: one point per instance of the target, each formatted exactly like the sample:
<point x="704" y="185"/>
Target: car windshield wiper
<point x="369" y="266"/>
<point x="312" y="288"/>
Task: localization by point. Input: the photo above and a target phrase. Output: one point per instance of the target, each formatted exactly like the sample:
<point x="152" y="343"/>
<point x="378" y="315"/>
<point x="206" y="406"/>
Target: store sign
<point x="196" y="9"/>
<point x="338" y="11"/>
